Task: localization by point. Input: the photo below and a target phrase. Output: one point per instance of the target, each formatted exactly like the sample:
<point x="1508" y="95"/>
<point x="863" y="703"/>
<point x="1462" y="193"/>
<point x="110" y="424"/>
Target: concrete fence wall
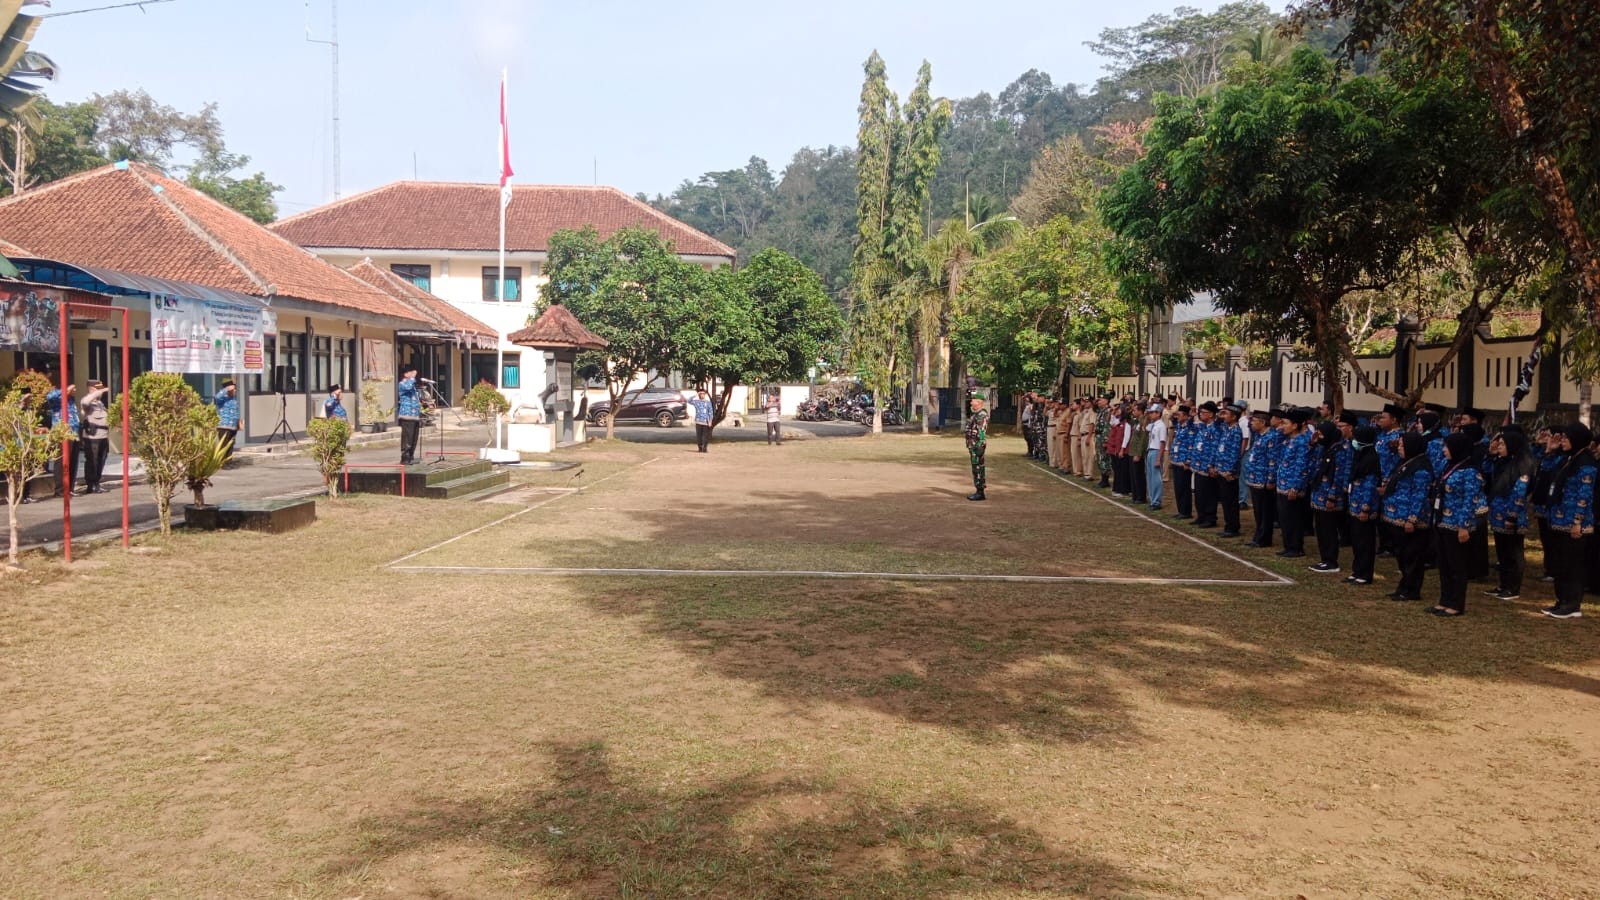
<point x="1484" y="375"/>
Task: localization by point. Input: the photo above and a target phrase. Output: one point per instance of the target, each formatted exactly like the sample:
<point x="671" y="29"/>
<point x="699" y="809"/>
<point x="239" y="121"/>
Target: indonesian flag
<point x="505" y="146"/>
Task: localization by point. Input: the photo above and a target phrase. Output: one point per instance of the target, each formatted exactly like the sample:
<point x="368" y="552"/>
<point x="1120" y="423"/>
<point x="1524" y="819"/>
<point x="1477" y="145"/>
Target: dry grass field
<point x="238" y="715"/>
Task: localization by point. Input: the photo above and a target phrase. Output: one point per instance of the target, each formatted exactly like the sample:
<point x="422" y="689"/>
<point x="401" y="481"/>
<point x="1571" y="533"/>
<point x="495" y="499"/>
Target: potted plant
<point x="374" y="415"/>
<point x="210" y="455"/>
<point x="330" y="441"/>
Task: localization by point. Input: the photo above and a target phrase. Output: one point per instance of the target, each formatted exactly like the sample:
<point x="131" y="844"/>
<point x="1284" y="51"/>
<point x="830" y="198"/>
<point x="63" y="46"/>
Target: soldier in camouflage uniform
<point x="977" y="443"/>
<point x="1102" y="433"/>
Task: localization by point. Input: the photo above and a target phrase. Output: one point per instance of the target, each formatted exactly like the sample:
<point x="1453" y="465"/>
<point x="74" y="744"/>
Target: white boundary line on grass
<point x="521" y="512"/>
<point x="1276" y="578"/>
<point x="805" y="573"/>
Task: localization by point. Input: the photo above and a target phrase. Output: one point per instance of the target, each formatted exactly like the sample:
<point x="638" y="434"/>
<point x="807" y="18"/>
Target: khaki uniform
<point x="1086" y="454"/>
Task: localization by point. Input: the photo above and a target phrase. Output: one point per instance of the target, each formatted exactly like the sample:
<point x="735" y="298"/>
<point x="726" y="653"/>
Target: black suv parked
<point x="663" y="407"/>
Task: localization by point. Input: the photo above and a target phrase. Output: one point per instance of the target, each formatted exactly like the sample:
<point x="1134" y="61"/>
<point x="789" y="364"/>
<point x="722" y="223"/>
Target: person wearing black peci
<point x="408" y="410"/>
<point x="1406" y="514"/>
<point x="1569" y="497"/>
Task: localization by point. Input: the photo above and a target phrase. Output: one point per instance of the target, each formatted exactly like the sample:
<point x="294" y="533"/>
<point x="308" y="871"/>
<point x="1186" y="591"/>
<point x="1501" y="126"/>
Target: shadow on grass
<point x="599" y="834"/>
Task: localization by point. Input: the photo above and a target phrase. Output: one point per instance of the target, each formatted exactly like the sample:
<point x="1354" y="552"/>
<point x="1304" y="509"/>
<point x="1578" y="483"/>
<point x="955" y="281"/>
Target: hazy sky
<point x="658" y="92"/>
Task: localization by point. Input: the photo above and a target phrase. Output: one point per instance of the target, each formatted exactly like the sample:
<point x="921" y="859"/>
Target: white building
<point x="444" y="237"/>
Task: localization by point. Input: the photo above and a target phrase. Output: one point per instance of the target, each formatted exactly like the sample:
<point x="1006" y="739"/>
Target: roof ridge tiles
<point x="200" y="231"/>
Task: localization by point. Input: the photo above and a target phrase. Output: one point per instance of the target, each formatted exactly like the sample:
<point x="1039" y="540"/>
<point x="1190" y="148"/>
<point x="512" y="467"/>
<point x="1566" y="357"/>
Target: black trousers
<point x="1478" y="551"/>
<point x="69" y="469"/>
<point x="1292" y="515"/>
<point x="1183" y="491"/>
<point x="1228" y="496"/>
<point x="1363" y="547"/>
<point x="1411" y="552"/>
<point x="1205" y="499"/>
<point x="1136" y="474"/>
<point x="94" y="459"/>
<point x="1327" y="526"/>
<point x="1509" y="551"/>
<point x="1121" y="482"/>
<point x="1264" y="501"/>
<point x="1546" y="542"/>
<point x="1453" y="558"/>
<point x="702" y="436"/>
<point x="228" y="435"/>
<point x="408" y="440"/>
<point x="1571" y="568"/>
<point x="774" y="432"/>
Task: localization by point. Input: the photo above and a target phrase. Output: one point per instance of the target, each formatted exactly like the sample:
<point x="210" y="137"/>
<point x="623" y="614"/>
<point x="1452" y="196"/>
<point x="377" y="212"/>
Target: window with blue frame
<point x="491" y="283"/>
<point x="511" y="372"/>
<point x="419" y="275"/>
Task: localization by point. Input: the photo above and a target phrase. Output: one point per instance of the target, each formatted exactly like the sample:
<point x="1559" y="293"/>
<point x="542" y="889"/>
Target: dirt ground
<point x="242" y="716"/>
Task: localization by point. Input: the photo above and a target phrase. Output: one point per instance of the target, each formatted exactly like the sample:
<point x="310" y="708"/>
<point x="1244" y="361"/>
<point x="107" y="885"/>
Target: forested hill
<point x="808" y="209"/>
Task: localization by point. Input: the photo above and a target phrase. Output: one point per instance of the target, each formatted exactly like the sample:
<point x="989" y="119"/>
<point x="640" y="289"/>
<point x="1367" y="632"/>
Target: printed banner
<point x="30" y="318"/>
<point x="200" y="336"/>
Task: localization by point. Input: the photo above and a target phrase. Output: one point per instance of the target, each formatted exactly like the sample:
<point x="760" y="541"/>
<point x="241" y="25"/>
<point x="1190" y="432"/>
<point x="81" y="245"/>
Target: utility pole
<point x="333" y="45"/>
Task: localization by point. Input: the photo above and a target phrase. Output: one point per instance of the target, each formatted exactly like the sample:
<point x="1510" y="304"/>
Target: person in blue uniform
<point x="1569" y="498"/>
<point x="1406" y="515"/>
<point x="227" y="403"/>
<point x="1508" y="482"/>
<point x="1296" y="466"/>
<point x="1329" y="492"/>
<point x="1225" y="463"/>
<point x="1458" y="502"/>
<point x="1259" y="475"/>
<point x="62" y="411"/>
<point x="408" y="410"/>
<point x="333" y="407"/>
<point x="1205" y="485"/>
<point x="1547" y="450"/>
<point x="1183" y="438"/>
<point x="1363" y="504"/>
<point x="1390" y="423"/>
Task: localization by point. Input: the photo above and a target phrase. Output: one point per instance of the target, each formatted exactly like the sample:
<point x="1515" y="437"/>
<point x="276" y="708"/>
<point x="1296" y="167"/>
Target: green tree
<point x="483" y="402"/>
<point x="330" y="444"/>
<point x="896" y="156"/>
<point x="1288" y="191"/>
<point x="628" y="289"/>
<point x="169" y="426"/>
<point x="214" y="174"/>
<point x="51" y="142"/>
<point x="1539" y="64"/>
<point x="25" y="449"/>
<point x="1183" y="53"/>
<point x="1031" y="306"/>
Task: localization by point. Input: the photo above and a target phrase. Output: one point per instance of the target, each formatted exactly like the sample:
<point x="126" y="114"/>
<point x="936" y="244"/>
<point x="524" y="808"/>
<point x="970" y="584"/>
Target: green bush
<point x="330" y="442"/>
<point x="170" y="428"/>
<point x="25" y="448"/>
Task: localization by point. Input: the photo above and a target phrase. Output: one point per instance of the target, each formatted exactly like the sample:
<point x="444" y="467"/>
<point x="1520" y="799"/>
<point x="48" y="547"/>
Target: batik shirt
<point x="702" y="410"/>
<point x="1331" y="491"/>
<point x="1575" y="504"/>
<point x="1460" y="498"/>
<point x="1389" y="451"/>
<point x="1261" y="464"/>
<point x="977" y="429"/>
<point x="1508" y="514"/>
<point x="333" y="409"/>
<point x="1229" y="443"/>
<point x="52" y="403"/>
<point x="1205" y="447"/>
<point x="1436" y="456"/>
<point x="1362" y="496"/>
<point x="407" y="404"/>
<point x="1409" y="501"/>
<point x="1182" y="442"/>
<point x="1296" y="464"/>
<point x="227" y="409"/>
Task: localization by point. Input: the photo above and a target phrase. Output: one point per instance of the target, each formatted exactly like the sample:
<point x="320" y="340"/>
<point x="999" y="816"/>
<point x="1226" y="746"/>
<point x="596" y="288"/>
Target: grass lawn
<point x="241" y="715"/>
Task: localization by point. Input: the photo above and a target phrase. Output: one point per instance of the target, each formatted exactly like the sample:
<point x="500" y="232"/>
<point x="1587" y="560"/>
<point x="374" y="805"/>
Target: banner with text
<point x="201" y="336"/>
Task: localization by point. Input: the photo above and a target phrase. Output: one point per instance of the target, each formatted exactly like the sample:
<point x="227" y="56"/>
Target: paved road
<point x="279" y="476"/>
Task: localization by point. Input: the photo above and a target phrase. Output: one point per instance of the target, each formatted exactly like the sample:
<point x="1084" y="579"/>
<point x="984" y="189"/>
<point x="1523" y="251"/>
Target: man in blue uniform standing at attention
<point x="227" y="401"/>
<point x="408" y="409"/>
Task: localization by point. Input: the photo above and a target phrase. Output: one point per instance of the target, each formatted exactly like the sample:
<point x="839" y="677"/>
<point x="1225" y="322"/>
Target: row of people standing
<point x="1401" y="486"/>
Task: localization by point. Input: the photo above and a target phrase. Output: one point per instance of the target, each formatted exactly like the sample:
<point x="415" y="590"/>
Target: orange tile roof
<point x="557" y="327"/>
<point x="134" y="219"/>
<point x="427" y="215"/>
<point x="445" y="316"/>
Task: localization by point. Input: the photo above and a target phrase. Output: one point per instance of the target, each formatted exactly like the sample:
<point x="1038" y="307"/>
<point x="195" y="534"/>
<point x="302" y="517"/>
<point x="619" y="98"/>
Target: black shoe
<point x="1402" y="596"/>
<point x="1387" y="554"/>
<point x="1445" y="612"/>
<point x="1228" y="534"/>
<point x="1353" y="581"/>
<point x="1563" y="612"/>
<point x="1503" y="594"/>
<point x="978" y="495"/>
<point x="1156" y="507"/>
<point x="1548" y="579"/>
<point x="1291" y="554"/>
<point x="1205" y="524"/>
<point x="1324" y="568"/>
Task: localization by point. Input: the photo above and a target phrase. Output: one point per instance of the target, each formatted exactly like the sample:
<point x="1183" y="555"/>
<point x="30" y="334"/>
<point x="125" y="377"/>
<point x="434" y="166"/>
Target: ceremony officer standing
<point x="1570" y="502"/>
<point x="408" y="410"/>
<point x="1329" y="494"/>
<point x="977" y="444"/>
<point x="1156" y="455"/>
<point x="1365" y="506"/>
<point x="1459" y="502"/>
<point x="1510" y="480"/>
<point x="1296" y="465"/>
<point x="227" y="401"/>
<point x="1406" y="513"/>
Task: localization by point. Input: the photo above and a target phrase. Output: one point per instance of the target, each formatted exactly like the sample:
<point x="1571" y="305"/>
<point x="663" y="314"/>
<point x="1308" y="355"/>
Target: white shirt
<point x="1158" y="436"/>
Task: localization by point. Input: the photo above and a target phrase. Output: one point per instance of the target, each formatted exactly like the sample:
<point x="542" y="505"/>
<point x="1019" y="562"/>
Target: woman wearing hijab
<point x="1459" y="501"/>
<point x="1569" y="498"/>
<point x="1406" y="513"/>
<point x="1511" y="471"/>
<point x="1364" y="504"/>
<point x="1117" y="450"/>
<point x="1329" y="493"/>
<point x="1478" y="547"/>
<point x="1548" y="450"/>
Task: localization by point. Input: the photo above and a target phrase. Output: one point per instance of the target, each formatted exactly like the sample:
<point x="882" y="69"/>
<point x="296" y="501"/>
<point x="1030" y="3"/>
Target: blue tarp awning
<point x="113" y="281"/>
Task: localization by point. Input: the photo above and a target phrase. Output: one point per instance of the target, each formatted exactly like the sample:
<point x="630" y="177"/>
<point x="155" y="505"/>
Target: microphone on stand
<point x="427" y="381"/>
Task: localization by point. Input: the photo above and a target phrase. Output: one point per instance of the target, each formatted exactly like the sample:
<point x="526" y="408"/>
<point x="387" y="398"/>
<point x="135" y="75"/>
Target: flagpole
<point x="500" y="344"/>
